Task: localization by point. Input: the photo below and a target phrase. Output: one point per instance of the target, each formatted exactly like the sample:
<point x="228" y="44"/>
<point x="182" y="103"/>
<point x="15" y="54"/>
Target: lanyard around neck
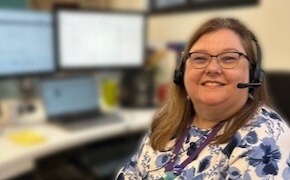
<point x="177" y="169"/>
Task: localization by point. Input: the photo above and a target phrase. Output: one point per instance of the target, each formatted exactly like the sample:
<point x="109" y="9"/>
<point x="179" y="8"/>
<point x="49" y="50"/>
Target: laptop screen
<point x="69" y="96"/>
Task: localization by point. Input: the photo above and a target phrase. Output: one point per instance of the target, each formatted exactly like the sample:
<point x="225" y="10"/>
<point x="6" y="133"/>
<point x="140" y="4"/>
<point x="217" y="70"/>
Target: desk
<point x="16" y="159"/>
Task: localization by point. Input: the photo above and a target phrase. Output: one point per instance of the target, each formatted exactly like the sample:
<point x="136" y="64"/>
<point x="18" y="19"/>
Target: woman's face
<point x="214" y="85"/>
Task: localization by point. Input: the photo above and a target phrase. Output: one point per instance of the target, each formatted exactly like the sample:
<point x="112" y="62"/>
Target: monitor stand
<point x="27" y="95"/>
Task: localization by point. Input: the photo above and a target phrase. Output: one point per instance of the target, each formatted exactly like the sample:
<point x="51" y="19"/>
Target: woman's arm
<point x="131" y="170"/>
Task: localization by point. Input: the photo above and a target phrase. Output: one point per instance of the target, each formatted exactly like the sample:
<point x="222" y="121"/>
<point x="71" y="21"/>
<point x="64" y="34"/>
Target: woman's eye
<point x="200" y="58"/>
<point x="228" y="58"/>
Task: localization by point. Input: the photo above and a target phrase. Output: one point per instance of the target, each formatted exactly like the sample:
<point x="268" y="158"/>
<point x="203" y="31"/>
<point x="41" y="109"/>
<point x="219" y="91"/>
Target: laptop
<point x="74" y="102"/>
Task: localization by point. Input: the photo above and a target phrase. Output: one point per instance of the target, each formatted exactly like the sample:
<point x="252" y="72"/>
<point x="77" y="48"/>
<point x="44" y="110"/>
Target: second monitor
<point x="99" y="39"/>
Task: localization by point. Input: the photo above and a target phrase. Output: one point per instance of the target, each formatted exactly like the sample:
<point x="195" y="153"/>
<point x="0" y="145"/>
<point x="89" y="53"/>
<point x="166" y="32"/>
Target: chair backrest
<point x="279" y="88"/>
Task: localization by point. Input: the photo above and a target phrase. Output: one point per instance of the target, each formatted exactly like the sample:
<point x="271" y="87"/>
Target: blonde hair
<point x="173" y="117"/>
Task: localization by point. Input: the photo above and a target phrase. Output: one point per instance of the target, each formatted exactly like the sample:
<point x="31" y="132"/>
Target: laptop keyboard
<point x="92" y="122"/>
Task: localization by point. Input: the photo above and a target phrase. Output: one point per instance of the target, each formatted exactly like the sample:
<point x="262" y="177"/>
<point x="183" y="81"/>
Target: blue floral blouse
<point x="259" y="150"/>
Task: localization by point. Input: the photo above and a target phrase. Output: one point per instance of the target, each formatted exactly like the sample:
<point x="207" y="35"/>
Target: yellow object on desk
<point x="27" y="137"/>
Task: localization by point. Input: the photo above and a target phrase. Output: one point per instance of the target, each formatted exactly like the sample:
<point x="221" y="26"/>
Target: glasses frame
<point x="212" y="56"/>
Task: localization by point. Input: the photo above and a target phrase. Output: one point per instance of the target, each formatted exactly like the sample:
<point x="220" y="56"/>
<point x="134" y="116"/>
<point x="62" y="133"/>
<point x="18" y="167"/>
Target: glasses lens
<point x="199" y="60"/>
<point x="228" y="60"/>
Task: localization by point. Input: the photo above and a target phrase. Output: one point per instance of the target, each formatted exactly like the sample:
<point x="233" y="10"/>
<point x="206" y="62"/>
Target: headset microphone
<point x="248" y="85"/>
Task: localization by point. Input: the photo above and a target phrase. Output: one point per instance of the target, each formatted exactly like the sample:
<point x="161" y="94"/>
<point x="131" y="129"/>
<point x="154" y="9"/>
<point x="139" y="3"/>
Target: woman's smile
<point x="212" y="84"/>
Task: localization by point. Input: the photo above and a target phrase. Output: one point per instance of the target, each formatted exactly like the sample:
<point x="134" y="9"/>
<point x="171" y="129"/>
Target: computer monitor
<point x="69" y="98"/>
<point x="26" y="43"/>
<point x="99" y="39"/>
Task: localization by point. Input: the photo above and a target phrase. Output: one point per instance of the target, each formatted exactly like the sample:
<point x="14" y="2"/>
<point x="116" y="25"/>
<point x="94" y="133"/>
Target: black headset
<point x="256" y="72"/>
<point x="179" y="71"/>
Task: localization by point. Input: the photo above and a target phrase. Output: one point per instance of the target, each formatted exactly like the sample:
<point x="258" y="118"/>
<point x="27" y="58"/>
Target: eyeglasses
<point x="226" y="60"/>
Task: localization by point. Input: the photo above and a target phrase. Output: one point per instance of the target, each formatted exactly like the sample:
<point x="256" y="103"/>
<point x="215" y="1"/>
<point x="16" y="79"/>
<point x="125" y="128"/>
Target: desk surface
<point x="16" y="159"/>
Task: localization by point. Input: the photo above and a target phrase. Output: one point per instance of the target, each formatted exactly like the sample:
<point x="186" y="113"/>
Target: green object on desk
<point x="110" y="92"/>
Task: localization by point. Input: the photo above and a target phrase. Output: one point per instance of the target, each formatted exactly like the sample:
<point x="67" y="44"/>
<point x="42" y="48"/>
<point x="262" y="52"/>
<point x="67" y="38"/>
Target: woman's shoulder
<point x="267" y="123"/>
<point x="263" y="145"/>
<point x="265" y="116"/>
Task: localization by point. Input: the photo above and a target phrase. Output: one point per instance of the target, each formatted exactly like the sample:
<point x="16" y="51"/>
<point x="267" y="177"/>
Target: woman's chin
<point x="213" y="101"/>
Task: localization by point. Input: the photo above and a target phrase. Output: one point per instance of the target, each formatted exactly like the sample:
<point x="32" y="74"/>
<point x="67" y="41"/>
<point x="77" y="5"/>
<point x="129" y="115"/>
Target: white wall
<point x="270" y="21"/>
<point x="140" y="5"/>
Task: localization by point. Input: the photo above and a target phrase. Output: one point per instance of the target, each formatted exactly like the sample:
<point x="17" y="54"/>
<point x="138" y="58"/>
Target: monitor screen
<point x="93" y="39"/>
<point x="68" y="96"/>
<point x="26" y="42"/>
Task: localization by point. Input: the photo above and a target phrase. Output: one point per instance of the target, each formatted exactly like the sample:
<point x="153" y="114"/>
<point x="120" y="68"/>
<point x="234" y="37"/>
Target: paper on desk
<point x="27" y="137"/>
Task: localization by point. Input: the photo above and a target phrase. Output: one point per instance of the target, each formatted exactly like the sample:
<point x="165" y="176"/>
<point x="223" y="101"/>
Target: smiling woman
<point x="217" y="122"/>
<point x="213" y="88"/>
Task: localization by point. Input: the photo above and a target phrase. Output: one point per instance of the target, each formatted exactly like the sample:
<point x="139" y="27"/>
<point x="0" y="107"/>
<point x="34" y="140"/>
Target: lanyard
<point x="177" y="169"/>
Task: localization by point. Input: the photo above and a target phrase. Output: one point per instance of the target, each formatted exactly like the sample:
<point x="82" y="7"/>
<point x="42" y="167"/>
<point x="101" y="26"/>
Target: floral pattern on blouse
<point x="259" y="150"/>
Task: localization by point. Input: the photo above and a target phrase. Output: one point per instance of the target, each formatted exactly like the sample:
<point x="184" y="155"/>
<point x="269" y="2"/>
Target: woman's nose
<point x="213" y="66"/>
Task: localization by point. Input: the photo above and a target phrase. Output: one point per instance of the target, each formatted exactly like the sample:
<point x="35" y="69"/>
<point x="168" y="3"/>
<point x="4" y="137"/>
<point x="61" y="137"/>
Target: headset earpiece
<point x="178" y="73"/>
<point x="178" y="77"/>
<point x="257" y="74"/>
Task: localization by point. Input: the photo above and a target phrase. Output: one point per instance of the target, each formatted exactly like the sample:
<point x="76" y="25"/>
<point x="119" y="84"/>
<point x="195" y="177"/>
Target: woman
<point x="216" y="123"/>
